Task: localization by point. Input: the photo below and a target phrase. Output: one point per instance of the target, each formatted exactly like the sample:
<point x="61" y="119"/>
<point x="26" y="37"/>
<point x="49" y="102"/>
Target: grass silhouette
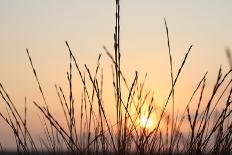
<point x="210" y="130"/>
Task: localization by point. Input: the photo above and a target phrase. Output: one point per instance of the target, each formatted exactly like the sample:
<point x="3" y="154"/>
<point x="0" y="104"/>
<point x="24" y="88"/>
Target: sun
<point x="146" y="122"/>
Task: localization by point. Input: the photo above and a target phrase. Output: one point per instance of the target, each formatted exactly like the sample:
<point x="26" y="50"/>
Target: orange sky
<point x="43" y="26"/>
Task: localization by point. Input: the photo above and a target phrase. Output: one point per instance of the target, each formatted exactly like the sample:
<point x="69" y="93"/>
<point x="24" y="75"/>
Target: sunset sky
<point x="42" y="26"/>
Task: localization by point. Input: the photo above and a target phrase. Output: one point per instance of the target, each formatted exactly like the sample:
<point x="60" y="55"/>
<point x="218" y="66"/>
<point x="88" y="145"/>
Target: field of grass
<point x="209" y="128"/>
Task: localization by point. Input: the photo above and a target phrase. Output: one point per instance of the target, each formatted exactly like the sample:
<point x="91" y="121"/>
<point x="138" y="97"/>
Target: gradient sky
<point x="44" y="25"/>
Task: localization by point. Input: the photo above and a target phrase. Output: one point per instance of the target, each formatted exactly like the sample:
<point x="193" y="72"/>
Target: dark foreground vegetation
<point x="209" y="127"/>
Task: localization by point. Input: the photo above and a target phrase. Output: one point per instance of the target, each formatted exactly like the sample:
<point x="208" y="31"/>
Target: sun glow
<point x="146" y="122"/>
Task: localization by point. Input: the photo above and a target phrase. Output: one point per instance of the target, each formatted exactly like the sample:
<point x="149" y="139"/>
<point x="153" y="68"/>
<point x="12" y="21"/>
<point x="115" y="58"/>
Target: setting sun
<point x="146" y="122"/>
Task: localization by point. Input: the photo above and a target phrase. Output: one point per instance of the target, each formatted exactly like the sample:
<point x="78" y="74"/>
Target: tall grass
<point x="210" y="128"/>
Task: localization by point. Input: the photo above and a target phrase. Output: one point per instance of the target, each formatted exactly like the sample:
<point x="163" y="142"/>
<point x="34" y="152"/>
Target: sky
<point x="42" y="26"/>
